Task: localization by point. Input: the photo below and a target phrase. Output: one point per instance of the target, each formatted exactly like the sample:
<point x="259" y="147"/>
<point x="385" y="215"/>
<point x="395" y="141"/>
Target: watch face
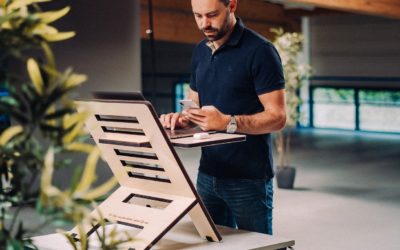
<point x="232" y="127"/>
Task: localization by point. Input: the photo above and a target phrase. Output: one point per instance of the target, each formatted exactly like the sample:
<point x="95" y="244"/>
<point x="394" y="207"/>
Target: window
<point x="380" y="110"/>
<point x="353" y="108"/>
<point x="334" y="108"/>
<point x="181" y="92"/>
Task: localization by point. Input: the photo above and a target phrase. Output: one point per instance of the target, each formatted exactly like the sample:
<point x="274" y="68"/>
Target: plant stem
<point x="15" y="217"/>
<point x="288" y="135"/>
<point x="281" y="149"/>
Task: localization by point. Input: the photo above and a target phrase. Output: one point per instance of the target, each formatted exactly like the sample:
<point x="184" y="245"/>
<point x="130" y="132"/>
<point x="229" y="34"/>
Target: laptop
<point x="127" y="96"/>
<point x="137" y="96"/>
<point x="185" y="132"/>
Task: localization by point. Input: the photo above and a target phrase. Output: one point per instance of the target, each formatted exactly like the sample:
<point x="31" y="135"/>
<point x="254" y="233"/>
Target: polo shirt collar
<point x="236" y="33"/>
<point x="234" y="39"/>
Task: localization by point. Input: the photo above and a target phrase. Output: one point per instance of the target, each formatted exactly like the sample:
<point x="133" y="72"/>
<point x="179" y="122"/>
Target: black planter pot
<point x="285" y="177"/>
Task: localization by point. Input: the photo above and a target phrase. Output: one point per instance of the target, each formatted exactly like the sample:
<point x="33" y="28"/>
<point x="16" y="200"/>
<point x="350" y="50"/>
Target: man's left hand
<point x="208" y="118"/>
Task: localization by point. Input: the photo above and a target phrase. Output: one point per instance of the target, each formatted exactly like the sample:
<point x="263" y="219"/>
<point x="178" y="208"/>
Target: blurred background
<point x="346" y="146"/>
<point x="352" y="47"/>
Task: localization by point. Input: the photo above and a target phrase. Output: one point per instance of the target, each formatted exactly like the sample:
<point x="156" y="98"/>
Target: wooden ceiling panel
<point x="386" y="8"/>
<point x="174" y="22"/>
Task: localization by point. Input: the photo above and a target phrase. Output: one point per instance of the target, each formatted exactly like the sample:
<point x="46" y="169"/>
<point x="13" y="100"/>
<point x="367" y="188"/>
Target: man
<point x="237" y="81"/>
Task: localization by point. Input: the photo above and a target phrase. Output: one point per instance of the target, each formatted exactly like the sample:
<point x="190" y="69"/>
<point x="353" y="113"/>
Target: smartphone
<point x="188" y="104"/>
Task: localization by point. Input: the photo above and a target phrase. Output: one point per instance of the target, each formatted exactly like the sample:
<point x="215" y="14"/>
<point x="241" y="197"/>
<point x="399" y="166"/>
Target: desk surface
<point x="185" y="236"/>
<point x="213" y="139"/>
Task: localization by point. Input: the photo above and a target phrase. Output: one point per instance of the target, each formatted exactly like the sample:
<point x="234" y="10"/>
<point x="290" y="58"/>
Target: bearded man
<point x="237" y="80"/>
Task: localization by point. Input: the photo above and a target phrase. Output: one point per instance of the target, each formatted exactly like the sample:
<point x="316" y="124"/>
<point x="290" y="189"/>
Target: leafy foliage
<point x="289" y="46"/>
<point x="45" y="127"/>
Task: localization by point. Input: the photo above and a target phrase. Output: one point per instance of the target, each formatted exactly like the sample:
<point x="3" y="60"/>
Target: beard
<point x="218" y="32"/>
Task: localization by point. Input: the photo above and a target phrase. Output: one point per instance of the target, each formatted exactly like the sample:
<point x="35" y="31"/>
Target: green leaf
<point x="28" y="95"/>
<point x="7" y="17"/>
<point x="101" y="190"/>
<point x="83" y="237"/>
<point x="42" y="29"/>
<point x="20" y="116"/>
<point x="51" y="16"/>
<point x="56" y="96"/>
<point x="47" y="175"/>
<point x="52" y="98"/>
<point x="6" y="108"/>
<point x="50" y="128"/>
<point x="70" y="239"/>
<point x="89" y="173"/>
<point x="10" y="133"/>
<point x="49" y="55"/>
<point x="35" y="75"/>
<point x="73" y="133"/>
<point x="75" y="80"/>
<point x="75" y="179"/>
<point x="80" y="147"/>
<point x="60" y="36"/>
<point x="17" y="4"/>
<point x="51" y="71"/>
<point x="59" y="113"/>
<point x="74" y="119"/>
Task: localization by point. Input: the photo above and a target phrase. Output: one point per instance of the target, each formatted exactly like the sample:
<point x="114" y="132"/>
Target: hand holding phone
<point x="188" y="104"/>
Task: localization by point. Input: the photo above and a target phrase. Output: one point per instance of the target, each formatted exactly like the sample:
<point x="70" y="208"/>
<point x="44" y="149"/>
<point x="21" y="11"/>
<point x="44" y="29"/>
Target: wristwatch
<point x="232" y="125"/>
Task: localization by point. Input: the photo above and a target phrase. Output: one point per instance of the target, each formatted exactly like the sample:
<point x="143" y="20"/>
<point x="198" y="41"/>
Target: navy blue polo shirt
<point x="231" y="79"/>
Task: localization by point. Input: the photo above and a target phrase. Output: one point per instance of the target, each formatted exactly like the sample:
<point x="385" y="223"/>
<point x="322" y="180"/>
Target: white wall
<point x="107" y="44"/>
<point x="106" y="48"/>
<point x="355" y="45"/>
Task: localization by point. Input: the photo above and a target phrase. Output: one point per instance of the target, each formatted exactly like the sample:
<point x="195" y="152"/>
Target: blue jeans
<point x="238" y="203"/>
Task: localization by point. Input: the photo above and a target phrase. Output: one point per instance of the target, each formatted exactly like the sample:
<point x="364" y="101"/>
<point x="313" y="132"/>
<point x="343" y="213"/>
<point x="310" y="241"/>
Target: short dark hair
<point x="225" y="2"/>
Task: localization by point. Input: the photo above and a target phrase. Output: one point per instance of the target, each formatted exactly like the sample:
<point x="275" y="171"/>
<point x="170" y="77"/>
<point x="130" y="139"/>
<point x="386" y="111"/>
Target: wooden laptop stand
<point x="155" y="191"/>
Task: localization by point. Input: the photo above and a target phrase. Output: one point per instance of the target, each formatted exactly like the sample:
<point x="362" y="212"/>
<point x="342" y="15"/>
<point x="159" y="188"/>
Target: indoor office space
<point x="337" y="160"/>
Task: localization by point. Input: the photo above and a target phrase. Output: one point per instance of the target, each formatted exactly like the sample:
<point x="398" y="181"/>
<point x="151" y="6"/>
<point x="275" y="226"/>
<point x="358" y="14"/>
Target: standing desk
<point x="184" y="236"/>
<point x="155" y="191"/>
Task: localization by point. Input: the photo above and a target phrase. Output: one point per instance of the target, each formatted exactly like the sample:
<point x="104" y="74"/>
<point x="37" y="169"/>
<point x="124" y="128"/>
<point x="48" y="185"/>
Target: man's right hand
<point x="174" y="120"/>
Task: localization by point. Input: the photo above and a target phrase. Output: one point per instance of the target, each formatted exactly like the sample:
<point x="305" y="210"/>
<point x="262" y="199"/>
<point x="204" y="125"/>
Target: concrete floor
<point x="346" y="195"/>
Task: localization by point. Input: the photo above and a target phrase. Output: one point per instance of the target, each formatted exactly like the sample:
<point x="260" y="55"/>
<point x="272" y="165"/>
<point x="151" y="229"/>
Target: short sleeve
<point x="193" y="72"/>
<point x="193" y="81"/>
<point x="266" y="69"/>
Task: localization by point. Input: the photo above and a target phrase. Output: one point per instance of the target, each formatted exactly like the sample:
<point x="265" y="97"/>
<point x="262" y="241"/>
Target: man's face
<point x="212" y="18"/>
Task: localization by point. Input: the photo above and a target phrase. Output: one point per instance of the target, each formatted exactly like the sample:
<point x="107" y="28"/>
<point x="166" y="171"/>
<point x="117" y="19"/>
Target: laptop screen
<point x="126" y="96"/>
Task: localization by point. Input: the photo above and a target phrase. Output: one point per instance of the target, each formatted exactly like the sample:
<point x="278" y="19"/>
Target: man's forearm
<point x="261" y="123"/>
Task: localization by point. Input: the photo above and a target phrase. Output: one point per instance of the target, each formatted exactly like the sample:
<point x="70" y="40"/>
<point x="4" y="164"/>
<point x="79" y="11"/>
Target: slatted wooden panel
<point x="155" y="191"/>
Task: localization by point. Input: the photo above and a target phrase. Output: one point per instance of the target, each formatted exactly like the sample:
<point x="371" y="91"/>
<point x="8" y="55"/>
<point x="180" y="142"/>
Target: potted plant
<point x="289" y="46"/>
<point x="45" y="131"/>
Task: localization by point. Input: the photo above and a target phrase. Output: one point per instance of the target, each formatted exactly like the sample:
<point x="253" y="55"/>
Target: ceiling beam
<point x="174" y="20"/>
<point x="385" y="8"/>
